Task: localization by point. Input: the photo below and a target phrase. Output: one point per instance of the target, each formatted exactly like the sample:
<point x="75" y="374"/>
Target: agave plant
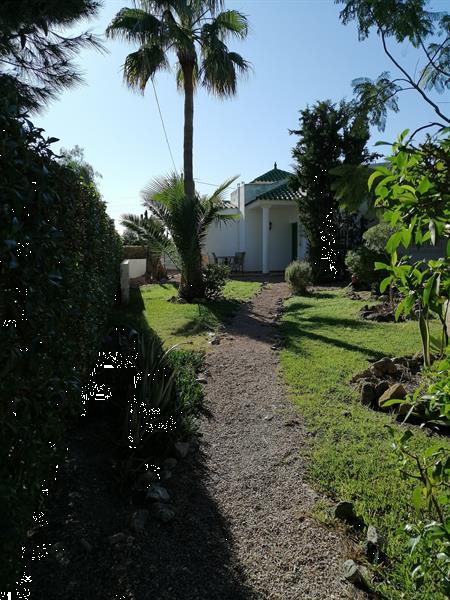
<point x="149" y="411"/>
<point x="186" y="221"/>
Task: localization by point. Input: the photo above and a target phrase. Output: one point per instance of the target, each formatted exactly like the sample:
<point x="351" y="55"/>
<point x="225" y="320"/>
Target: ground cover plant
<point x="351" y="455"/>
<point x="185" y="325"/>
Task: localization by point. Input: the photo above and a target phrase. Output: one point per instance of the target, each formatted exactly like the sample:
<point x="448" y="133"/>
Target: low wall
<point x="137" y="267"/>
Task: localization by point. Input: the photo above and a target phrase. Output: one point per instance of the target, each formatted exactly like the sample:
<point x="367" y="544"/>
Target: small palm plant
<point x="146" y="228"/>
<point x="179" y="225"/>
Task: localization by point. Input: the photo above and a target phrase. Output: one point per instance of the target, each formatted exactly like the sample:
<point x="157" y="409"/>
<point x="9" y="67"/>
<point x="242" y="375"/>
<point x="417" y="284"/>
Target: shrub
<point x="59" y="266"/>
<point x="361" y="261"/>
<point x="214" y="277"/>
<point x="299" y="276"/>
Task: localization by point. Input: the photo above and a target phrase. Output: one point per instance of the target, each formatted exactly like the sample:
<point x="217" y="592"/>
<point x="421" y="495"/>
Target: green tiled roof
<point x="272" y="176"/>
<point x="281" y="192"/>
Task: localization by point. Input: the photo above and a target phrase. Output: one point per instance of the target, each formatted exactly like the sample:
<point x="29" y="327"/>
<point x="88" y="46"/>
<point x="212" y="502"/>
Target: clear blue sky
<point x="300" y="53"/>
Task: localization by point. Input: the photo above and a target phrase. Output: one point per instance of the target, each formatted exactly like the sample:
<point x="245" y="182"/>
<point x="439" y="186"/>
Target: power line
<point x="163" y="126"/>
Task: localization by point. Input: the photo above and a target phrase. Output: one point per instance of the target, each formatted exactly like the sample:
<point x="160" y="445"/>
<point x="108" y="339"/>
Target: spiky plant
<point x="187" y="221"/>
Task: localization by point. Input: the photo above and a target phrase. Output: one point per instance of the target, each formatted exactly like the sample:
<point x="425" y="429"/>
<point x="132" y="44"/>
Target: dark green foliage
<point x="299" y="276"/>
<point x="35" y="55"/>
<point x="59" y="264"/>
<point x="329" y="136"/>
<point x="214" y="277"/>
<point x="361" y="262"/>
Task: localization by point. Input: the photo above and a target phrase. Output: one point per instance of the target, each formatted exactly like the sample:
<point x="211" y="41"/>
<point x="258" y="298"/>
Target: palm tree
<point x="196" y="32"/>
<point x="146" y="231"/>
<point x="184" y="222"/>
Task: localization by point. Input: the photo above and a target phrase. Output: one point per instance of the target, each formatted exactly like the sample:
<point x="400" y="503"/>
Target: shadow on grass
<point x="189" y="558"/>
<point x="293" y="333"/>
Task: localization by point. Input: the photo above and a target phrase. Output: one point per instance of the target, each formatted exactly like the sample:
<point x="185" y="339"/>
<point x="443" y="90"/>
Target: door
<point x="294" y="241"/>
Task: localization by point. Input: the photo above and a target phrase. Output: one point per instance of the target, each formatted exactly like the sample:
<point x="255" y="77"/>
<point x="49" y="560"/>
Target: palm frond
<point x="142" y="65"/>
<point x="134" y="25"/>
<point x="230" y="23"/>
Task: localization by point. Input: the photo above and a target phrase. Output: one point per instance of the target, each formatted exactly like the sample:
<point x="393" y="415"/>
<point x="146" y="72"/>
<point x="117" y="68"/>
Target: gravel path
<point x="254" y="454"/>
<point x="242" y="530"/>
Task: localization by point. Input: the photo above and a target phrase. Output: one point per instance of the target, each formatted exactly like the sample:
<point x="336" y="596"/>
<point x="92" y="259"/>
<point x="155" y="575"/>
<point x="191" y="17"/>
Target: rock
<point x="170" y="463"/>
<point x="356" y="574"/>
<point x="117" y="538"/>
<point x="383" y="298"/>
<point x="268" y="417"/>
<point x="396" y="391"/>
<point x="201" y="378"/>
<point x="363" y="375"/>
<point x="164" y="513"/>
<point x="344" y="511"/>
<point x="401" y="360"/>
<point x="86" y="545"/>
<point x="380" y="388"/>
<point x="215" y="341"/>
<point x="181" y="449"/>
<point x="157" y="493"/>
<point x="182" y="301"/>
<point x="367" y="394"/>
<point x="373" y="545"/>
<point x="139" y="520"/>
<point x="384" y="366"/>
<point x="146" y="479"/>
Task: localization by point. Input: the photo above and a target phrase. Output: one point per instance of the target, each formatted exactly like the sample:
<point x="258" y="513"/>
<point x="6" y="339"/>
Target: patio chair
<point x="215" y="261"/>
<point x="238" y="262"/>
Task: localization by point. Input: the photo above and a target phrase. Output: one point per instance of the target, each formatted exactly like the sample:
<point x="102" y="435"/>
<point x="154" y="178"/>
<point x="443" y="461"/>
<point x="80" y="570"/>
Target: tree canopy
<point x="330" y="136"/>
<point x="402" y="20"/>
<point x="36" y="57"/>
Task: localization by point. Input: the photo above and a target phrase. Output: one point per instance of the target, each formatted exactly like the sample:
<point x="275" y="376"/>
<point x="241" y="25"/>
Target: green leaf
<point x="372" y="178"/>
<point x="399" y="309"/>
<point x="385" y="283"/>
<point x="379" y="266"/>
<point x="424" y="185"/>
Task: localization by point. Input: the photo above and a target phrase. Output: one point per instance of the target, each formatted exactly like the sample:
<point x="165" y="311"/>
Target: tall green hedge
<point x="59" y="272"/>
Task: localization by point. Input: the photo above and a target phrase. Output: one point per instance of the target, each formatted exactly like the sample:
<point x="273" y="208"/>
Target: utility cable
<point x="163" y="126"/>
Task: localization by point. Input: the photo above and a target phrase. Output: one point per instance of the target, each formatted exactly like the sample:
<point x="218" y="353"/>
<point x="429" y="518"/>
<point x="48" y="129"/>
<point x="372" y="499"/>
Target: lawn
<point x="351" y="458"/>
<point x="186" y="325"/>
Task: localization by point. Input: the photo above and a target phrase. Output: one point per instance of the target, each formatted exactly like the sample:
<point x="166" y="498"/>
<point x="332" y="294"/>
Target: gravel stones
<point x="139" y="520"/>
<point x="181" y="449"/>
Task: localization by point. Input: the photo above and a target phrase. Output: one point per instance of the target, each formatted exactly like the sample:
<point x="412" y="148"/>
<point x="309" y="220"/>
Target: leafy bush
<point x="429" y="543"/>
<point x="299" y="276"/>
<point x="59" y="266"/>
<point x="361" y="262"/>
<point x="214" y="278"/>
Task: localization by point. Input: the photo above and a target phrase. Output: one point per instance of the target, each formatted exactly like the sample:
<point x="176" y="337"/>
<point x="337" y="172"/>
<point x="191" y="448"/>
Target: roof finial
<point x="275" y="165"/>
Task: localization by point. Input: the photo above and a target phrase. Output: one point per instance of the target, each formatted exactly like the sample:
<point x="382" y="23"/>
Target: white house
<point x="268" y="230"/>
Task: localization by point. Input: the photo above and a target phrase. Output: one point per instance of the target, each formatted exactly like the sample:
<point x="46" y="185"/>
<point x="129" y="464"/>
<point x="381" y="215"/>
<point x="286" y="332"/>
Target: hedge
<point x="59" y="266"/>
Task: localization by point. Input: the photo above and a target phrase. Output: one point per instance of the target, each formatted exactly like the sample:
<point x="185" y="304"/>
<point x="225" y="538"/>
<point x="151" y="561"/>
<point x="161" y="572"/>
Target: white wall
<point x="137" y="267"/>
<point x="222" y="238"/>
<point x="253" y="234"/>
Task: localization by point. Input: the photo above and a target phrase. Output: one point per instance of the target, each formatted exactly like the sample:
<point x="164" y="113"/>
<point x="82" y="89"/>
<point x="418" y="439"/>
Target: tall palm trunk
<point x="188" y="71"/>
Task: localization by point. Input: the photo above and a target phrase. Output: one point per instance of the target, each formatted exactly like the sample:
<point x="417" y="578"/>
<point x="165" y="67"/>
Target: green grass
<point x="186" y="325"/>
<point x="351" y="458"/>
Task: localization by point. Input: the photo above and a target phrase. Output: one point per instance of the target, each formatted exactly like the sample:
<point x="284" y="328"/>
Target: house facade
<point x="267" y="230"/>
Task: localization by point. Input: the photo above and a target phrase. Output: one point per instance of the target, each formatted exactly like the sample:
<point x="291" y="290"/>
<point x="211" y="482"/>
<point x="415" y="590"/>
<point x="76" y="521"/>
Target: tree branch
<point x="411" y="81"/>
<point x="431" y="59"/>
